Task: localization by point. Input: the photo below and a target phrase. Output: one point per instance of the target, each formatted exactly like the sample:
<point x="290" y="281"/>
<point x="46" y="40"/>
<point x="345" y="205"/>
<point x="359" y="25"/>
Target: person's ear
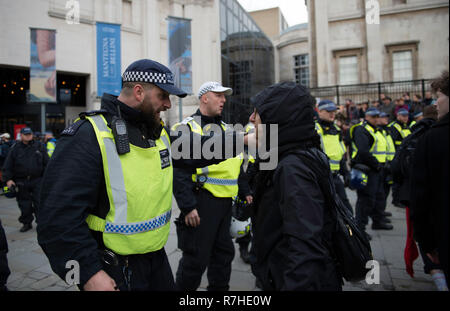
<point x="138" y="92"/>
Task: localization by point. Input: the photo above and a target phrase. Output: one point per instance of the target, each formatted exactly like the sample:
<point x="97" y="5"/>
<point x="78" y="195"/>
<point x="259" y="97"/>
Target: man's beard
<point x="150" y="119"/>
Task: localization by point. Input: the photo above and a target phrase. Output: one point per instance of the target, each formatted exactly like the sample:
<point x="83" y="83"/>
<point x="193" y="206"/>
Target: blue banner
<point x="109" y="78"/>
<point x="42" y="66"/>
<point x="180" y="52"/>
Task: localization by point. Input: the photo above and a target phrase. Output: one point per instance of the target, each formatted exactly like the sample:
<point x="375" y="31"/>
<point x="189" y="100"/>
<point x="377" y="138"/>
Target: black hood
<point x="291" y="106"/>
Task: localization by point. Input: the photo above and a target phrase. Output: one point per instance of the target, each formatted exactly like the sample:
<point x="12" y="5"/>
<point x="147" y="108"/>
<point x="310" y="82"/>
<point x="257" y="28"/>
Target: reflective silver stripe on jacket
<point x="219" y="181"/>
<point x="116" y="179"/>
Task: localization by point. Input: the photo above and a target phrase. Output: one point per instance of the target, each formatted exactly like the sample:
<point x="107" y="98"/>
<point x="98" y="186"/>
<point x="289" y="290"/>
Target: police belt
<point x="110" y="258"/>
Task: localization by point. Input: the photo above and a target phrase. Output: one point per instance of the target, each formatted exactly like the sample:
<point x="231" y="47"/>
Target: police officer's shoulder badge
<point x="73" y="128"/>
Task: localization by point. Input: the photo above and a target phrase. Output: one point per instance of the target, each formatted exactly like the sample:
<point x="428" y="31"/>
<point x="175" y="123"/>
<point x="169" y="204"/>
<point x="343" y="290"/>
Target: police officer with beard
<point x="108" y="195"/>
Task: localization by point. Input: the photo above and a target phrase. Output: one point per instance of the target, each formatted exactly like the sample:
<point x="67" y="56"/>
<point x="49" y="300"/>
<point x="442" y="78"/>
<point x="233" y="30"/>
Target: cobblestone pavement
<point x="30" y="269"/>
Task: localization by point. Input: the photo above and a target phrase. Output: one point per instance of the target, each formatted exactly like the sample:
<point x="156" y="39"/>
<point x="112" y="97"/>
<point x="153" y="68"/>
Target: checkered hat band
<point x="140" y="227"/>
<point x="144" y="76"/>
<point x="207" y="89"/>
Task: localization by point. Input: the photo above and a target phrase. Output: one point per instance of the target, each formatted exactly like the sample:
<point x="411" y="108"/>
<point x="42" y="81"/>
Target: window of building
<point x="301" y="69"/>
<point x="284" y="24"/>
<point x="348" y="70"/>
<point x="127" y="19"/>
<point x="401" y="61"/>
<point x="402" y="67"/>
<point x="241" y="77"/>
<point x="247" y="60"/>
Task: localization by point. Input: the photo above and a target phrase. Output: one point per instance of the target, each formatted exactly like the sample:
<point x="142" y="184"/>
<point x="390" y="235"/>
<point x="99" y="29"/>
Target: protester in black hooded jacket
<point x="293" y="224"/>
<point x="429" y="182"/>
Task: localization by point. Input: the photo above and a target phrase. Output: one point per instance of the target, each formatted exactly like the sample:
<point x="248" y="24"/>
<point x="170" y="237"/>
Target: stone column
<point x="374" y="50"/>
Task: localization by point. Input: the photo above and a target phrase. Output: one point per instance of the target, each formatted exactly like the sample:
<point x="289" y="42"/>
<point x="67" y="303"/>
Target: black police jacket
<point x="74" y="187"/>
<point x="25" y="161"/>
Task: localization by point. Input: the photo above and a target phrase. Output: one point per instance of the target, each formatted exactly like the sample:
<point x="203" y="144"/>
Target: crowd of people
<point x="380" y="138"/>
<point x="114" y="217"/>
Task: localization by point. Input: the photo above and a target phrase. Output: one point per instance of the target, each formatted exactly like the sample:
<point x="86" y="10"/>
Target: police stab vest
<point x="390" y="146"/>
<point x="333" y="146"/>
<point x="221" y="180"/>
<point x="50" y="148"/>
<point x="404" y="131"/>
<point x="379" y="146"/>
<point x="139" y="189"/>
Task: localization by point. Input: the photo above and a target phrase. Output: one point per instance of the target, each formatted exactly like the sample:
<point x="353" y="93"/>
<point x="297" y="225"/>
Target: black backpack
<point x="401" y="164"/>
<point x="351" y="248"/>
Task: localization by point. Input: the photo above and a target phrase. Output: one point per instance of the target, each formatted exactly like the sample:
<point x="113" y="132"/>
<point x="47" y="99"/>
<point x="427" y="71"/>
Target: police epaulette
<point x="85" y="114"/>
<point x="72" y="129"/>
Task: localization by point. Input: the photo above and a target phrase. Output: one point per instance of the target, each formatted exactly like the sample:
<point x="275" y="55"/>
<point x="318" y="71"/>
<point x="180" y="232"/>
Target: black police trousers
<point x="370" y="200"/>
<point x="208" y="245"/>
<point x="146" y="272"/>
<point x="244" y="241"/>
<point x="340" y="190"/>
<point x="28" y="199"/>
<point x="4" y="269"/>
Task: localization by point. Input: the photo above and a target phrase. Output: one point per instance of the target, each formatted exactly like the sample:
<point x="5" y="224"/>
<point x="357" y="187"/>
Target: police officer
<point x="5" y="145"/>
<point x="369" y="149"/>
<point x="333" y="146"/>
<point x="108" y="195"/>
<point x="204" y="197"/>
<point x="24" y="167"/>
<point x="50" y="143"/>
<point x="399" y="130"/>
<point x="383" y="121"/>
<point x="417" y="117"/>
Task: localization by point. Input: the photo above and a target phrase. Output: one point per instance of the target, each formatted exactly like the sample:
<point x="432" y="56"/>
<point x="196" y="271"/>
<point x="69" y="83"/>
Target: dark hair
<point x="430" y="111"/>
<point x="131" y="85"/>
<point x="441" y="83"/>
<point x="418" y="96"/>
<point x="127" y="87"/>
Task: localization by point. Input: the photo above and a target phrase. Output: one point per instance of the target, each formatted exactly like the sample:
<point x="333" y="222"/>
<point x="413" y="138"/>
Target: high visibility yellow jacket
<point x="332" y="145"/>
<point x="221" y="180"/>
<point x="139" y="189"/>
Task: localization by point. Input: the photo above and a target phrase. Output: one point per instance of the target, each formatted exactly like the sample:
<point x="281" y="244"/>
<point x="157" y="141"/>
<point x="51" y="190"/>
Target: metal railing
<point x="369" y="92"/>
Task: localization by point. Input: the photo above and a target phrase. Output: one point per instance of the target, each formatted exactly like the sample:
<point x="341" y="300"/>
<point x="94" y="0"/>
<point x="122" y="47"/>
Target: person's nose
<point x="168" y="103"/>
